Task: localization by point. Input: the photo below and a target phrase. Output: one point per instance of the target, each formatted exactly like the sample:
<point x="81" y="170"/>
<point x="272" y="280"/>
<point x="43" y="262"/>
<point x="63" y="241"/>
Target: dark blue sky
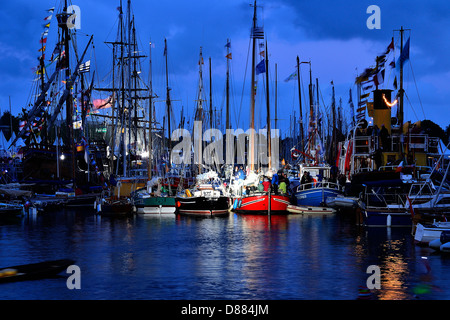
<point x="331" y="34"/>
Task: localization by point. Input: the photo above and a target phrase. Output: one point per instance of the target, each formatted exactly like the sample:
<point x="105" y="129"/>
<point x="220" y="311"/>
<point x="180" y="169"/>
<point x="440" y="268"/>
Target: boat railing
<point x="319" y="184"/>
<point x="373" y="199"/>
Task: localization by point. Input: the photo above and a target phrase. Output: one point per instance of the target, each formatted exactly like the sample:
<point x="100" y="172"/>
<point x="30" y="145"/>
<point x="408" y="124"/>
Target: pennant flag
<point x="364" y="76"/>
<point x="51" y="10"/>
<point x="390" y="46"/>
<point x="45" y="33"/>
<point x="261" y="67"/>
<point x="258" y="33"/>
<point x="395" y="83"/>
<point x="405" y="53"/>
<point x="228" y="56"/>
<point x="42" y="49"/>
<point x="291" y="77"/>
<point x="85" y="67"/>
<point x="228" y="45"/>
<point x="46" y="26"/>
<point x="48" y="18"/>
<point x="262" y="53"/>
<point x="43" y="40"/>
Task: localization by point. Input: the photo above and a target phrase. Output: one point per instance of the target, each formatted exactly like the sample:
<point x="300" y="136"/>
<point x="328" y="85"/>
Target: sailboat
<point x="208" y="197"/>
<point x="259" y="202"/>
<point x="61" y="80"/>
<point x="317" y="181"/>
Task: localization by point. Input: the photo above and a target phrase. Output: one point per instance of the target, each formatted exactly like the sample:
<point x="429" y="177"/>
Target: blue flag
<point x="405" y="53"/>
<point x="261" y="67"/>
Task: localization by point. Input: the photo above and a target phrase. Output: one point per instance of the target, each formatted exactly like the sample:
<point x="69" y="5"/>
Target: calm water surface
<point x="235" y="257"/>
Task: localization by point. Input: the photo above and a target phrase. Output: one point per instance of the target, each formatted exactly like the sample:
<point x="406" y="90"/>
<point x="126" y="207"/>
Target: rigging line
<point x="417" y="89"/>
<point x="412" y="108"/>
<point x="243" y="86"/>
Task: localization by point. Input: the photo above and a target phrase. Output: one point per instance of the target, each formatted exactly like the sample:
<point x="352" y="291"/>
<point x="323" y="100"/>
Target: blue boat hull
<point x="375" y="218"/>
<point x="314" y="197"/>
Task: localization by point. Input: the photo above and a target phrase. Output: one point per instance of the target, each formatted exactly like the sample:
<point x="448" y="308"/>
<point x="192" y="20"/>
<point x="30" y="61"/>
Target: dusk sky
<point x="333" y="35"/>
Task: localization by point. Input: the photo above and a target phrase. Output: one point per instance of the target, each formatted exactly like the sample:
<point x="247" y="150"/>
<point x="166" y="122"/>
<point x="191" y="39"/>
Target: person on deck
<point x="266" y="184"/>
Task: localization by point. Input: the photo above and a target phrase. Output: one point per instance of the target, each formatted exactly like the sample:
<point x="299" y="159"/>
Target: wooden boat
<point x="203" y="203"/>
<point x="8" y="210"/>
<point x="150" y="199"/>
<point x="309" y="210"/>
<point x="114" y="206"/>
<point x="258" y="203"/>
<point x="34" y="271"/>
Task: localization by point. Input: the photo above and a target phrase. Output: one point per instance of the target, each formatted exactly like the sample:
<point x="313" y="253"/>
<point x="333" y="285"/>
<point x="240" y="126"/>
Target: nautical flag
<point x="228" y="56"/>
<point x="390" y="46"/>
<point x="48" y="18"/>
<point x="261" y="67"/>
<point x="51" y="10"/>
<point x="228" y="45"/>
<point x="47" y="25"/>
<point x="43" y="40"/>
<point x="262" y="53"/>
<point x="363" y="96"/>
<point x="45" y="33"/>
<point x="291" y="77"/>
<point x="405" y="53"/>
<point x="85" y="67"/>
<point x="42" y="49"/>
<point x="379" y="78"/>
<point x="258" y="33"/>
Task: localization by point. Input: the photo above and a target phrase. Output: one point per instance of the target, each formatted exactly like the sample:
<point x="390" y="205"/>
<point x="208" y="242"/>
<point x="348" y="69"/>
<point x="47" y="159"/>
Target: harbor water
<point x="239" y="257"/>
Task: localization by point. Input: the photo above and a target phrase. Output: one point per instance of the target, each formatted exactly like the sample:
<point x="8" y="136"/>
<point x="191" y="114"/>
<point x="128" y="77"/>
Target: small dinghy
<point x="34" y="271"/>
<point x="309" y="210"/>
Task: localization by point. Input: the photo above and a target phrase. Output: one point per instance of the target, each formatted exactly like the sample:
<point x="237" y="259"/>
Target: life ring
<point x="188" y="193"/>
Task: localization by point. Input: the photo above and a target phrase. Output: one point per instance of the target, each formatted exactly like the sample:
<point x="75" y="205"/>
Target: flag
<point x="228" y="45"/>
<point x="48" y="18"/>
<point x="400" y="167"/>
<point x="261" y="67"/>
<point x="395" y="83"/>
<point x="47" y="25"/>
<point x="390" y="46"/>
<point x="291" y="77"/>
<point x="405" y="53"/>
<point x="51" y="10"/>
<point x="85" y="67"/>
<point x="258" y="33"/>
<point x="363" y="96"/>
<point x="228" y="56"/>
<point x="368" y="87"/>
<point x="43" y="40"/>
<point x="102" y="103"/>
<point x="42" y="49"/>
<point x="262" y="53"/>
<point x="379" y="78"/>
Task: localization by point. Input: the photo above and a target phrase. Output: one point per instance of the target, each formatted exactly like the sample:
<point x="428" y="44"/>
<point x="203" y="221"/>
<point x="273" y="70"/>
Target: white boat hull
<point x="309" y="210"/>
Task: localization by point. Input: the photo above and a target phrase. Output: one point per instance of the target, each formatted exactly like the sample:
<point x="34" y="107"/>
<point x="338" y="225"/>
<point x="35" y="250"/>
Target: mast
<point x="252" y="95"/>
<point x="302" y="141"/>
<point x="401" y="91"/>
<point x="227" y="123"/>
<point x="210" y="97"/>
<point x="167" y="99"/>
<point x="150" y="115"/>
<point x="269" y="132"/>
<point x="276" y="96"/>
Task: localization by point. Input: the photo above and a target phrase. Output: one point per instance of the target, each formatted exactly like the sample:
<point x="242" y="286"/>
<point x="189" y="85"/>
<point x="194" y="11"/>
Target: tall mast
<point x="269" y="132"/>
<point x="167" y="98"/>
<point x="150" y="114"/>
<point x="129" y="87"/>
<point x="276" y="96"/>
<point x="227" y="124"/>
<point x="302" y="140"/>
<point x="401" y="91"/>
<point x="252" y="95"/>
<point x="210" y="97"/>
